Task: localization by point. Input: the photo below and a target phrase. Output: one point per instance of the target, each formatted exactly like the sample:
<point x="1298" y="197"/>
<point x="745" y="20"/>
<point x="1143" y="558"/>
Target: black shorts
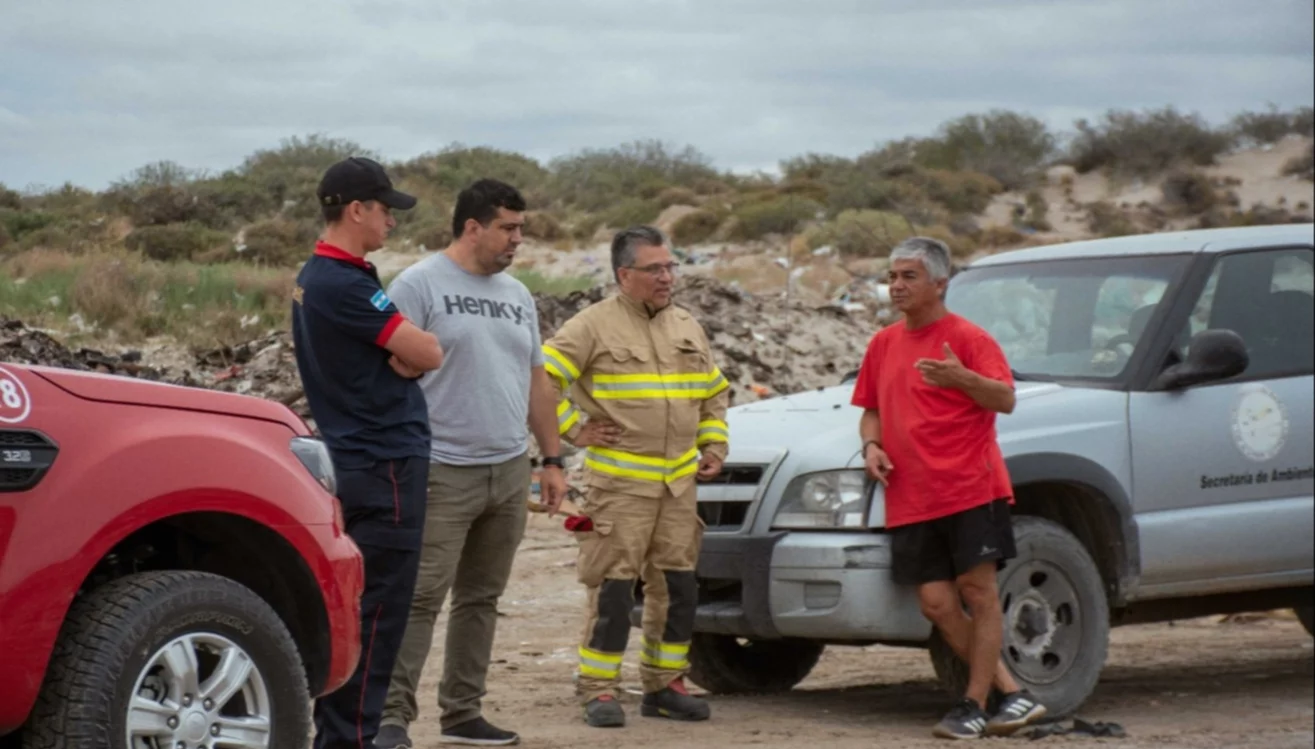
<point x="944" y="548"/>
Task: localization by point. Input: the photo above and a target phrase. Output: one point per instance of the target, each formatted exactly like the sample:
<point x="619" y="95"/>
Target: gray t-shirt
<point x="489" y="330"/>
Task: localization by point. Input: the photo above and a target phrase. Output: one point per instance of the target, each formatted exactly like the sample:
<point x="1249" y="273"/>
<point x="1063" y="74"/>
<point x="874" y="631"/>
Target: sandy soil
<point x="1240" y="683"/>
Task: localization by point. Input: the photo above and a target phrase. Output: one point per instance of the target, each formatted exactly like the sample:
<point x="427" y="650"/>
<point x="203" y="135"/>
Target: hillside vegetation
<point x="168" y="249"/>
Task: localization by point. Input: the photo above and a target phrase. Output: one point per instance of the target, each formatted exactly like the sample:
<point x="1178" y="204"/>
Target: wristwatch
<point x="553" y="461"/>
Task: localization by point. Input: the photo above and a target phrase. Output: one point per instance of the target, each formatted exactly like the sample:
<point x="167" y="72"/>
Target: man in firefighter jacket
<point x="641" y="393"/>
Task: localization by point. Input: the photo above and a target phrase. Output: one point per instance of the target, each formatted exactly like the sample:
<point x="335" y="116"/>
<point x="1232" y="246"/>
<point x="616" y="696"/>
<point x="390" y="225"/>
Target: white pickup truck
<point x="1161" y="454"/>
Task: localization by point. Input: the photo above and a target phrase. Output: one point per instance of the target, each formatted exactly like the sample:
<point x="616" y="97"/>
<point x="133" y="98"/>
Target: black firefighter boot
<point x="674" y="702"/>
<point x="604" y="712"/>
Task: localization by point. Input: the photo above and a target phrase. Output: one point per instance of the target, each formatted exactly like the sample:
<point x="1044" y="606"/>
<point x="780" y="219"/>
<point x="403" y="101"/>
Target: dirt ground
<point x="1242" y="683"/>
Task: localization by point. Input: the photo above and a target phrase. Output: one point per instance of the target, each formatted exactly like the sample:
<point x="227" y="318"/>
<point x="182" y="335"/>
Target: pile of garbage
<point x="262" y="367"/>
<point x="24" y="345"/>
<point x="764" y="346"/>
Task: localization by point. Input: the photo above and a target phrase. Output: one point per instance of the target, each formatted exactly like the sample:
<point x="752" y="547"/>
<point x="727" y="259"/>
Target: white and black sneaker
<point x="1017" y="709"/>
<point x="966" y="720"/>
<point x="478" y="732"/>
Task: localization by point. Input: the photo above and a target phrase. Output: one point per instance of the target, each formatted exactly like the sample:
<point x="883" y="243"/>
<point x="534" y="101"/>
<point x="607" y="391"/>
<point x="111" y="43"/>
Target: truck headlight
<point x="829" y="499"/>
<point x="314" y="454"/>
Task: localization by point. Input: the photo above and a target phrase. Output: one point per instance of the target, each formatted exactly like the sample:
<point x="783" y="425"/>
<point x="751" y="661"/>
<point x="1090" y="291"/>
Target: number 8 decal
<point x="15" y="404"/>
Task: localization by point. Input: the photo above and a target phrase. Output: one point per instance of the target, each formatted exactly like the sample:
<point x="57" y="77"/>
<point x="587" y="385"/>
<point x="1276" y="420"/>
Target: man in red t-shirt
<point x="930" y="386"/>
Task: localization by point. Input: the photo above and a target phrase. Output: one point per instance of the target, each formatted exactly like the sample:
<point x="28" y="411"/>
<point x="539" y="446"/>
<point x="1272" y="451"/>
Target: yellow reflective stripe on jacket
<point x="642" y="467"/>
<point x="713" y="430"/>
<point x="559" y="365"/>
<point x="717" y="382"/>
<point x="567" y="416"/>
<point x="692" y="385"/>
<point x="664" y="654"/>
<point x="599" y="665"/>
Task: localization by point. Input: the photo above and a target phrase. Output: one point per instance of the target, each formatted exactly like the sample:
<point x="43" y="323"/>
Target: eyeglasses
<point x="656" y="269"/>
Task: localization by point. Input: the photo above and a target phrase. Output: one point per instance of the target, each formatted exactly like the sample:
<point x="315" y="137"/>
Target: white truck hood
<point x="818" y="421"/>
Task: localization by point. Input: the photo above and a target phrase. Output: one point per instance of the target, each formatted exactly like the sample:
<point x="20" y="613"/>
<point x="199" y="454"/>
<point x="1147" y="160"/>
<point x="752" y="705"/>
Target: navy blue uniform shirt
<point x="341" y="319"/>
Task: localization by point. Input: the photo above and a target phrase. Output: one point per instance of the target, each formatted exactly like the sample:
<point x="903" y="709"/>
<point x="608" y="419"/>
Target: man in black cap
<point x="358" y="358"/>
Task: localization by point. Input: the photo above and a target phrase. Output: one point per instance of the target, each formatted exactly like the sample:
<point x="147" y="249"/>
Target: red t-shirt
<point x="941" y="443"/>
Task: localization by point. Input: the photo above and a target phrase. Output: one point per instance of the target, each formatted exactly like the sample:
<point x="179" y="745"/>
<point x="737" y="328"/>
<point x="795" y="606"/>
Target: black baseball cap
<point x="359" y="178"/>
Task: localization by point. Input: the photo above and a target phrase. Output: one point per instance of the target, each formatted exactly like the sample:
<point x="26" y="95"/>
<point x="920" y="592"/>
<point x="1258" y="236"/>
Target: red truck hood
<point x="131" y="391"/>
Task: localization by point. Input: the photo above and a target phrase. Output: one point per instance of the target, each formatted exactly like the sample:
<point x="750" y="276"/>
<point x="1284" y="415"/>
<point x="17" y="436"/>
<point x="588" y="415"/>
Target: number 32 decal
<point x="15" y="404"/>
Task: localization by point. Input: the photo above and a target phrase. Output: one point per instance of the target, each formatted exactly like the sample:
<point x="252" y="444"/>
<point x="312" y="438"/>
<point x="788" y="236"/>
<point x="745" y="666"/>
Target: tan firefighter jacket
<point x="652" y="374"/>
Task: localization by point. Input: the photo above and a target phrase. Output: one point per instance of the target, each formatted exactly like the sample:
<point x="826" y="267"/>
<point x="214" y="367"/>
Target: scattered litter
<point x="1079" y="727"/>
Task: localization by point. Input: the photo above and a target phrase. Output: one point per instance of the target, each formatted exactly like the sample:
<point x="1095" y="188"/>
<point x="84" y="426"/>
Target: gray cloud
<point x="104" y="89"/>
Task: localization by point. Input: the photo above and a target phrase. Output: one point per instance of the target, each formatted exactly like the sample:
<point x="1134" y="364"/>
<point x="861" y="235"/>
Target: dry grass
<point x="125" y="296"/>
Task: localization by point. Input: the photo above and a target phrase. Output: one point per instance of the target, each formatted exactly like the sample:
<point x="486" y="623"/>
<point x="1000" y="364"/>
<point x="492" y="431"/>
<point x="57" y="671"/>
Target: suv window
<point x="1268" y="298"/>
<point x="1080" y="319"/>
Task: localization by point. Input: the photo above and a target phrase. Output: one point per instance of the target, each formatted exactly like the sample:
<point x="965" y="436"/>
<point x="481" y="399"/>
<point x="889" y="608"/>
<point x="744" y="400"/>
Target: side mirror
<point x="1211" y="356"/>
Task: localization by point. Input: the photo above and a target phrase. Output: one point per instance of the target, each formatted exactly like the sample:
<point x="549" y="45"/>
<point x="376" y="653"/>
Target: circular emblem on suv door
<point x="1260" y="427"/>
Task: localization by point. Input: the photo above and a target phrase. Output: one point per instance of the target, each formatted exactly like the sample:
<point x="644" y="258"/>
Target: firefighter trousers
<point x="633" y="536"/>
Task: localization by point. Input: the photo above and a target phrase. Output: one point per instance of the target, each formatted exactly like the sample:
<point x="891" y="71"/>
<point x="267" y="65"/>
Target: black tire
<point x="1306" y="615"/>
<point x="724" y="664"/>
<point x="1062" y="678"/>
<point x="113" y="633"/>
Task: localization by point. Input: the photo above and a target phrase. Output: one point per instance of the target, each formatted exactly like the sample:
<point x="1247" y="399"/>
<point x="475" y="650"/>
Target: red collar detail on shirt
<point x="324" y="249"/>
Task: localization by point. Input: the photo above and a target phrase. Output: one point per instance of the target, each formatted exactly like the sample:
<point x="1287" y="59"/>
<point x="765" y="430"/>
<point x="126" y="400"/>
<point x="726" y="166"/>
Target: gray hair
<point x="932" y="253"/>
<point x="627" y="241"/>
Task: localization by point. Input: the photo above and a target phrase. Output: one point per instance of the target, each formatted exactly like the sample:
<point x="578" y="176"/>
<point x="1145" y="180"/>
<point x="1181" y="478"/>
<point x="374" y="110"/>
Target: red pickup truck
<point x="173" y="566"/>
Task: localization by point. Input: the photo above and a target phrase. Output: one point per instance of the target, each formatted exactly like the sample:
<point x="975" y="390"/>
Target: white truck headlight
<point x="314" y="455"/>
<point x="829" y="499"/>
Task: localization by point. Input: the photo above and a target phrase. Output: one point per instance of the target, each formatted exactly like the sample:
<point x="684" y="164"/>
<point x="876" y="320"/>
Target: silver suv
<point x="1161" y="453"/>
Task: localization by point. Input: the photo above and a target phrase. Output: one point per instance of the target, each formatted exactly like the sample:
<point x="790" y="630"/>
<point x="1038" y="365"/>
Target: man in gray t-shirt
<point x="491" y="385"/>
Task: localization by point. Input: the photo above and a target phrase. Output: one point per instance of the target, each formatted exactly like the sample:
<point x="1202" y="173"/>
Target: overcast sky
<point x="90" y="90"/>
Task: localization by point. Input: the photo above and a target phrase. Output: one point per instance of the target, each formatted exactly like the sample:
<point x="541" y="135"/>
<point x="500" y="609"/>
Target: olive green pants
<point x="475" y="519"/>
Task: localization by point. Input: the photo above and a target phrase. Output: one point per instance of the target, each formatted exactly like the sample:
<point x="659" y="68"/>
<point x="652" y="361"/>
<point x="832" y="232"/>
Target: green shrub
<point x="814" y="166"/>
<point x="805" y="188"/>
<point x="585" y="226"/>
<point x="5" y="239"/>
<point x="1260" y="128"/>
<point x="630" y="212"/>
<point x="694" y="227"/>
<point x="292" y="171"/>
<point x="1104" y="219"/>
<point x="235" y="199"/>
<point x="455" y="167"/>
<point x="278" y="242"/>
<point x="10" y="199"/>
<point x="1037" y="209"/>
<point x="784" y="214"/>
<point x="1189" y="191"/>
<point x="56" y="236"/>
<point x="172" y="204"/>
<point x="1146" y="143"/>
<point x="539" y="283"/>
<point x="543" y="226"/>
<point x="433" y="235"/>
<point x="711" y="186"/>
<point x="1010" y="147"/>
<point x="66" y="201"/>
<point x="677" y="196"/>
<point x="174" y="241"/>
<point x="959" y="192"/>
<point x="592" y="180"/>
<point x="862" y="233"/>
<point x="18" y="222"/>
